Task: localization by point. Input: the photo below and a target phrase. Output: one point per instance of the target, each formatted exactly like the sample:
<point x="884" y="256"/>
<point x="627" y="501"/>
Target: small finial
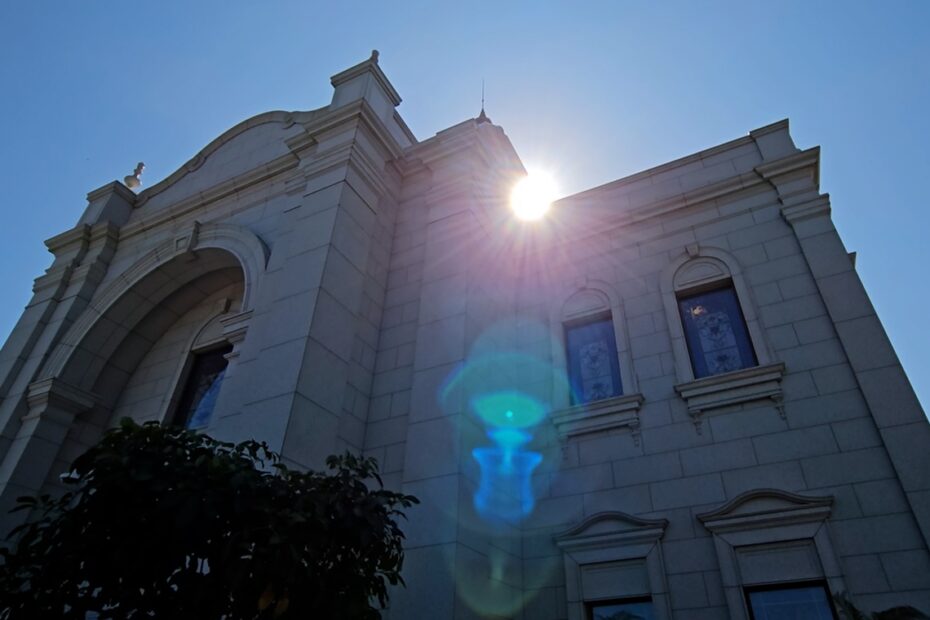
<point x="133" y="181"/>
<point x="374" y="56"/>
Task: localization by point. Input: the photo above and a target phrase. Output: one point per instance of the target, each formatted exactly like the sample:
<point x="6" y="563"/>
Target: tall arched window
<point x="721" y="357"/>
<point x="201" y="378"/>
<point x="592" y="338"/>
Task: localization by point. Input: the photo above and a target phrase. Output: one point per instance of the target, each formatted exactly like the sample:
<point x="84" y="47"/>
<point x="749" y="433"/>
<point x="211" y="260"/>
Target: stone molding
<point x="602" y="415"/>
<point x="617" y="543"/>
<point x="733" y="388"/>
<point x="765" y="508"/>
<point x="244" y="245"/>
<point x="610" y="528"/>
<point x="277" y="116"/>
<point x="770" y="519"/>
<point x="56" y="394"/>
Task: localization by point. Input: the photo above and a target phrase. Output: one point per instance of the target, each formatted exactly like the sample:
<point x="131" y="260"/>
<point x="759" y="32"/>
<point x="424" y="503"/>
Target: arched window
<point x="721" y="357"/>
<point x="592" y="338"/>
<point x="201" y="377"/>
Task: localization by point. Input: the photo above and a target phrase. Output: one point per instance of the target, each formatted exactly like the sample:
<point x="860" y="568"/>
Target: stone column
<point x="53" y="406"/>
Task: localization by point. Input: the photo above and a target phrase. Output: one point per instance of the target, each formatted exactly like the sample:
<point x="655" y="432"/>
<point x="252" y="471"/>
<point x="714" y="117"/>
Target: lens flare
<point x="533" y="195"/>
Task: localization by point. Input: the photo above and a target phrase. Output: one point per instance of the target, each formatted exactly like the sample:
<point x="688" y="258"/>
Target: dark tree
<point x="167" y="523"/>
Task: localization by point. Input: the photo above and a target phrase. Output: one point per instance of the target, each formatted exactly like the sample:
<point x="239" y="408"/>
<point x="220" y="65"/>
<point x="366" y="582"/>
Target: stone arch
<point x="150" y="280"/>
<point x="73" y="396"/>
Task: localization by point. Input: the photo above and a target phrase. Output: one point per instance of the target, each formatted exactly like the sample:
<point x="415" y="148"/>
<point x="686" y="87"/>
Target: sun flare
<point x="533" y="195"/>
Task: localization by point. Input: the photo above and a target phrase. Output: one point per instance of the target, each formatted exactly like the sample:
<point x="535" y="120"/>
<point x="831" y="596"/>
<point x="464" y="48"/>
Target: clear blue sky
<point x="595" y="91"/>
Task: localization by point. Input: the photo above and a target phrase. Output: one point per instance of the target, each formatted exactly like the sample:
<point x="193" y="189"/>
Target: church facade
<point x="671" y="397"/>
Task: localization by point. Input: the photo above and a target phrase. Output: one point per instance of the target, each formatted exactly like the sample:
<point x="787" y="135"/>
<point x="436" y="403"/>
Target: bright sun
<point x="533" y="195"/>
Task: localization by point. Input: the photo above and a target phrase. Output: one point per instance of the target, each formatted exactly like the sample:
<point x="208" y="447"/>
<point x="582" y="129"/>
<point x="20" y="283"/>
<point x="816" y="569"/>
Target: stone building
<point x="671" y="396"/>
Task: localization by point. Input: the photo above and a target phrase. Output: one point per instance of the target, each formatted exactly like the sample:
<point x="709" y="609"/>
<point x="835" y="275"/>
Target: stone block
<point x="801" y="285"/>
<point x="440" y="342"/>
<point x="632" y="500"/>
<point x="687" y="591"/>
<point x="782" y="337"/>
<point x="435" y="519"/>
<point x="581" y="480"/>
<point x="745" y="423"/>
<point x="880" y="497"/>
<point x="879" y="534"/>
<point x="864" y="574"/>
<point x="690" y="491"/>
<point x="689" y="556"/>
<point x="649" y="468"/>
<point x="790" y="445"/>
<point x="908" y="445"/>
<point x="786" y="476"/>
<point x="831" y="379"/>
<point x="847" y="467"/>
<point x="673" y="437"/>
<point x="718" y="457"/>
<point x="603" y="448"/>
<point x="432" y="448"/>
<point x="856" y="434"/>
<point x="891" y="397"/>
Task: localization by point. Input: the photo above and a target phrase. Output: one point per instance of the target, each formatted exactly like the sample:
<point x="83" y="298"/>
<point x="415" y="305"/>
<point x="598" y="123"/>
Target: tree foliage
<point x="167" y="523"/>
<point x="851" y="612"/>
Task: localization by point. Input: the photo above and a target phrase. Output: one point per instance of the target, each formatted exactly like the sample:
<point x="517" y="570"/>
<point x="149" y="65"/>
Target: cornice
<point x="808" y="158"/>
<point x="80" y="234"/>
<point x="114" y="187"/>
<point x="359" y="109"/>
<point x="217" y="192"/>
<point x="818" y="207"/>
<point x="60" y="395"/>
<point x="369" y="65"/>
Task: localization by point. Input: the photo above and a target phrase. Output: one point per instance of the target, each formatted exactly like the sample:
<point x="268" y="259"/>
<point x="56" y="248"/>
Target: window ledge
<point x="601" y="415"/>
<point x="732" y="388"/>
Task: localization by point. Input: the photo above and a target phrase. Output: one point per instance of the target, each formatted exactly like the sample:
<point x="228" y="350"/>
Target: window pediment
<point x="606" y="528"/>
<point x="766" y="507"/>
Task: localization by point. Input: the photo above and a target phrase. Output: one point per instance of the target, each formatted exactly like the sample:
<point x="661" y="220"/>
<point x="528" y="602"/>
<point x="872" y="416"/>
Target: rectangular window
<point x="792" y="602"/>
<point x="621" y="610"/>
<point x="593" y="366"/>
<point x="201" y="388"/>
<point x="716" y="333"/>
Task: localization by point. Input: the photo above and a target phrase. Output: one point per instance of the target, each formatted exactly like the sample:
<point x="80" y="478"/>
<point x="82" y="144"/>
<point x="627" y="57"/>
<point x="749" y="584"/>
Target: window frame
<point x="713" y="287"/>
<point x="589" y="605"/>
<point x="618" y="540"/>
<point x="584" y="300"/>
<point x="701" y="269"/>
<point x="791" y="585"/>
<point x="770" y="519"/>
<point x="591" y="319"/>
<point x="183" y="384"/>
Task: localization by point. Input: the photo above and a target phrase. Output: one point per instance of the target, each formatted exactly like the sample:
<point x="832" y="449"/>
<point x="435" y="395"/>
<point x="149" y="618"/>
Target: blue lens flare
<point x="505" y="491"/>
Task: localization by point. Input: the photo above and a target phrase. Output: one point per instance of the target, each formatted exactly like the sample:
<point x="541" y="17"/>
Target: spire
<point x="482" y="117"/>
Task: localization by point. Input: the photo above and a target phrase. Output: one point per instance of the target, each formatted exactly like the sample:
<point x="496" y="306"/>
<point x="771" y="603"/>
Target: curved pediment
<point x="767" y="507"/>
<point x="251" y="144"/>
<point x="611" y="527"/>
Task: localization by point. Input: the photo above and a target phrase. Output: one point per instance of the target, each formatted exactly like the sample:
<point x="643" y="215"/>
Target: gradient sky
<point x="592" y="91"/>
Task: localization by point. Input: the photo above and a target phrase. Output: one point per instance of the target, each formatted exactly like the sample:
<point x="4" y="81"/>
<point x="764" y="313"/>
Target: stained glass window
<point x="201" y="388"/>
<point x="622" y="610"/>
<point x="593" y="367"/>
<point x="715" y="330"/>
<point x="790" y="603"/>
